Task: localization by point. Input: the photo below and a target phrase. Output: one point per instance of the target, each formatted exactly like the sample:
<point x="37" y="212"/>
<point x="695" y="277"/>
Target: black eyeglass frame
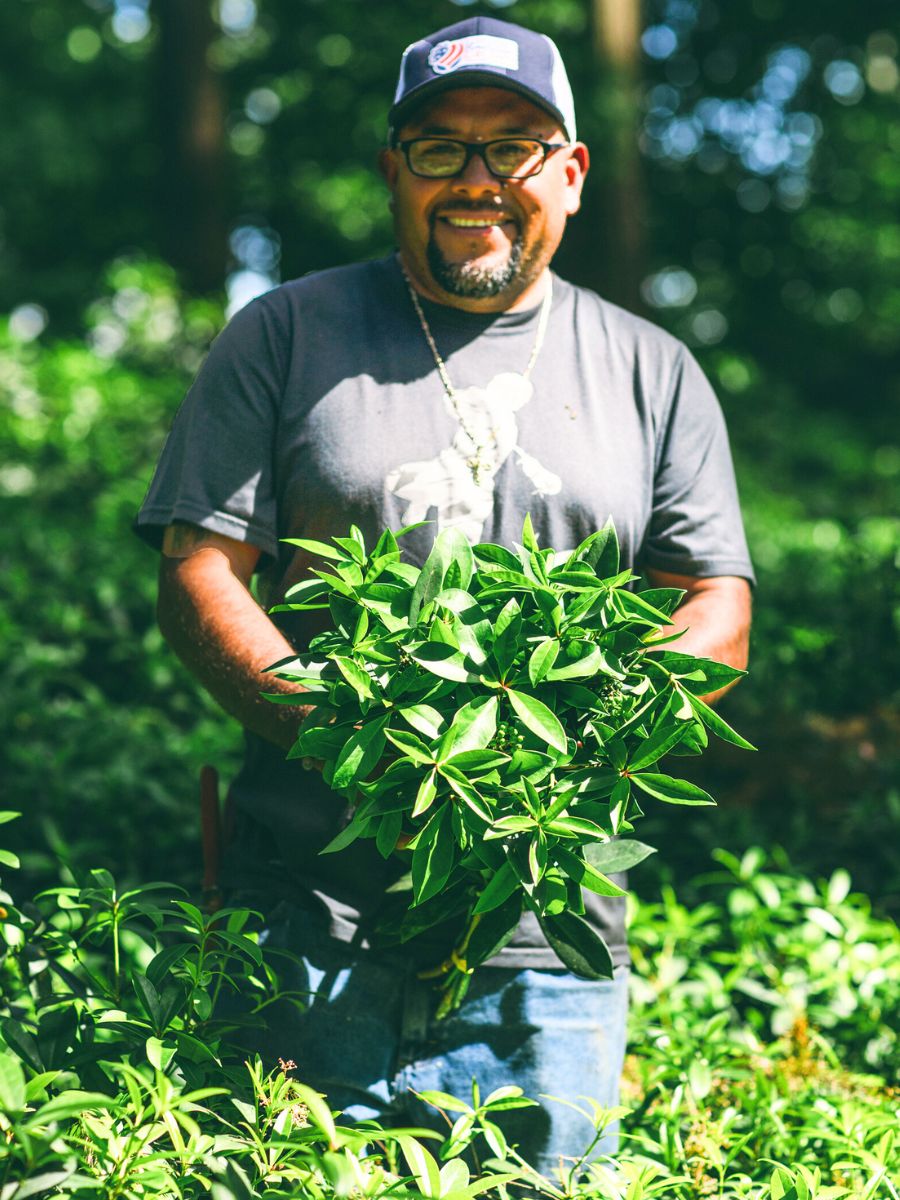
<point x="480" y="149"/>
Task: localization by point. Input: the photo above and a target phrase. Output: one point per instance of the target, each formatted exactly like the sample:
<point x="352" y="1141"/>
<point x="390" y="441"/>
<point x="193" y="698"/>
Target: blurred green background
<point x="161" y="163"/>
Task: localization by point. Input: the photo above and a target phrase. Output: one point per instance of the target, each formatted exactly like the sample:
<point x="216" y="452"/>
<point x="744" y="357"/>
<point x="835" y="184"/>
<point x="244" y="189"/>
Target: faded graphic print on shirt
<point x="486" y="429"/>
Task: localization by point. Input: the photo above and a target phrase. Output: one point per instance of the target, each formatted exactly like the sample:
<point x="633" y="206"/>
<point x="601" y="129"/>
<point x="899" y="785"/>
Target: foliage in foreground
<point x="515" y="713"/>
<point x="763" y="1026"/>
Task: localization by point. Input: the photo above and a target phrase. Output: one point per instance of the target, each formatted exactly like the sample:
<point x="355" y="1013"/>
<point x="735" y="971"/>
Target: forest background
<point x="162" y="163"/>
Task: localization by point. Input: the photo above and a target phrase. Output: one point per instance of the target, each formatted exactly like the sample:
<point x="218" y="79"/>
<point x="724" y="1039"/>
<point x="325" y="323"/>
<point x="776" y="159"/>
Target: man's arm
<point x="715" y="615"/>
<point x="211" y="621"/>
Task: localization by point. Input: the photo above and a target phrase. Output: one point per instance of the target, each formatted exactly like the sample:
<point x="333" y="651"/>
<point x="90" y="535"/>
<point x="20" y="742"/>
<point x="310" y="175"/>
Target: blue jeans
<point x="369" y="1039"/>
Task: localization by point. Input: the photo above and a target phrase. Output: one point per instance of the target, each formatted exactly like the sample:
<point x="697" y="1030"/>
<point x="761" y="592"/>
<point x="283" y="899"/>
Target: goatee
<point x="469" y="278"/>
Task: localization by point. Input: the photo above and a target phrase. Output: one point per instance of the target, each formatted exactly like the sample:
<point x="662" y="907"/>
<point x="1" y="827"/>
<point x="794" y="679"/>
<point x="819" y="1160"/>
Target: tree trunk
<point x="192" y="139"/>
<point x="619" y="236"/>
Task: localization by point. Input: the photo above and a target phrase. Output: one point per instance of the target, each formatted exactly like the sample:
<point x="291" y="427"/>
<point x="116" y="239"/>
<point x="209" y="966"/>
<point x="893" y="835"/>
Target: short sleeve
<point x="695" y="526"/>
<point x="216" y="469"/>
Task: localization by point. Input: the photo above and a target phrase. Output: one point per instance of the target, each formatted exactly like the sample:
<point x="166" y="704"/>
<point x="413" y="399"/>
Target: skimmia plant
<point x="496" y="716"/>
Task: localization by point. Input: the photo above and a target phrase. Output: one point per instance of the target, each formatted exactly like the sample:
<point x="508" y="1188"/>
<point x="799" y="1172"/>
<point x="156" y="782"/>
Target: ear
<point x="576" y="168"/>
<point x="388" y="166"/>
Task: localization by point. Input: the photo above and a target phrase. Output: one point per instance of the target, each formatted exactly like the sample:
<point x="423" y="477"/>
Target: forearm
<point x="220" y="633"/>
<point x="707" y="635"/>
<point x="714" y="618"/>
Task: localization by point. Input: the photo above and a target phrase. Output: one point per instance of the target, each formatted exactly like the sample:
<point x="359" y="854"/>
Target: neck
<point x="509" y="301"/>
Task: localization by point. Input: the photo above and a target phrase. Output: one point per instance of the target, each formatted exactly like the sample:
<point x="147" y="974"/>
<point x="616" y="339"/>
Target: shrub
<point x="121" y="1074"/>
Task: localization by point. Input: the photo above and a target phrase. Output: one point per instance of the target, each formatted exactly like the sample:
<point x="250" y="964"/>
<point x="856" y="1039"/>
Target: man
<point x="462" y="382"/>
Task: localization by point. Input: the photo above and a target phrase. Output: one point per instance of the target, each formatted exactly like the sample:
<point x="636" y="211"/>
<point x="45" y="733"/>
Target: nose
<point x="476" y="178"/>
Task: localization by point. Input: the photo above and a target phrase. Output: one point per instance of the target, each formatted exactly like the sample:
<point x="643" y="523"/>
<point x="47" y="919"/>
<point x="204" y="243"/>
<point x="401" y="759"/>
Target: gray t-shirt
<point x="320" y="405"/>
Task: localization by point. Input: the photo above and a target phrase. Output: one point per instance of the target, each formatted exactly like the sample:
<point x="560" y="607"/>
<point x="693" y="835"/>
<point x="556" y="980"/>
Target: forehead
<point x="480" y="111"/>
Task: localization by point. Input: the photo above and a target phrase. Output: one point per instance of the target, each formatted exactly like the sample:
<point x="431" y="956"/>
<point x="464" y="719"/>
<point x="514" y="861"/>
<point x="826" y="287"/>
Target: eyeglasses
<point x="505" y="158"/>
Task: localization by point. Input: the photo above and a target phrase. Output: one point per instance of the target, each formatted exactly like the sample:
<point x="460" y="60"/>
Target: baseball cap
<point x="485" y="52"/>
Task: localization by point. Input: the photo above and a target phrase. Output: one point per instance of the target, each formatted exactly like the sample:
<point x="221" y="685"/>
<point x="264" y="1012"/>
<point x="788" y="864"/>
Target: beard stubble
<point x="469" y="280"/>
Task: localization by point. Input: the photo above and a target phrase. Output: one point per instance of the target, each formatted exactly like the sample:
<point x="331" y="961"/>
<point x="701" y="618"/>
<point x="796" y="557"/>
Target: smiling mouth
<point x="476" y="222"/>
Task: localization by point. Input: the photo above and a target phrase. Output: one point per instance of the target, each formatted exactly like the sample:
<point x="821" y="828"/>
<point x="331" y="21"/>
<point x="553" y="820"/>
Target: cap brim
<point x="465" y="78"/>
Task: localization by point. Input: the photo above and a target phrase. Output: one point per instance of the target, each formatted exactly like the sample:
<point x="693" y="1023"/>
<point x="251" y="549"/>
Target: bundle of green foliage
<point x="515" y="710"/>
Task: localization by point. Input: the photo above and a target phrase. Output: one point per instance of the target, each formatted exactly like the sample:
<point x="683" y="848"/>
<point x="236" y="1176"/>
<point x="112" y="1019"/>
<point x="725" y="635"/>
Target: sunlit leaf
<point x="536" y="716"/>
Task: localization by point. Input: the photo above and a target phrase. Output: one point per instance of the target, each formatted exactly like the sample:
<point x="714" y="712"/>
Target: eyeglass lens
<point x="512" y="158"/>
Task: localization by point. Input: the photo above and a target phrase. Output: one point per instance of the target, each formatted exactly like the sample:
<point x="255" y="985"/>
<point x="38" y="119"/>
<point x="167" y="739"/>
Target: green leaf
<point x="355" y="675"/>
<point x="466" y="792"/>
<point x="574" y="827"/>
<point x="158" y="1054"/>
<point x="498" y="889"/>
<point x="433" y="856"/>
<point x="507" y="636"/>
<point x="585" y="667"/>
<point x="358" y="826"/>
<point x="385" y="546"/>
<point x="318" y="1112"/>
<point x="665" y="599"/>
<point x="472" y="728"/>
<point x="511" y="824"/>
<point x="494" y="930"/>
<point x="441" y="631"/>
<point x="44" y="1184"/>
<point x="700" y="1078"/>
<point x="498" y="556"/>
<point x="352" y="548"/>
<point x="450" y="547"/>
<point x="426" y="794"/>
<point x="663" y="738"/>
<point x="12" y="1084"/>
<point x="715" y="675"/>
<point x="500" y="575"/>
<point x="149" y="997"/>
<point x="422" y="1166"/>
<point x="322" y="549"/>
<point x="536" y="716"/>
<point x="630" y="604"/>
<point x="583" y="873"/>
<point x="302" y="668"/>
<point x="320" y="741"/>
<point x="537" y="858"/>
<point x="445" y="662"/>
<point x="477" y="760"/>
<point x="507" y="617"/>
<point x="674" y="791"/>
<point x="617" y="855"/>
<point x="360" y="754"/>
<point x="8" y="859"/>
<point x="578" y="947"/>
<point x="542" y="659"/>
<point x="529" y="538"/>
<point x="600" y="551"/>
<point x="443" y="1100"/>
<point x="67" y="1105"/>
<point x="23" y="1043"/>
<point x="719" y="727"/>
<point x="411" y="745"/>
<point x="575" y="580"/>
<point x="456" y="600"/>
<point x="424" y="718"/>
<point x="388" y="831"/>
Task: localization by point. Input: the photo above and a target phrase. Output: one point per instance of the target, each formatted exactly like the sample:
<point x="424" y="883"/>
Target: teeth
<point x="476" y="222"/>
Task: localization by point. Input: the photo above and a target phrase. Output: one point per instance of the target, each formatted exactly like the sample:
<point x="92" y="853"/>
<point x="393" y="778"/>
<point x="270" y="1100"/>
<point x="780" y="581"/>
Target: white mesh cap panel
<point x="562" y="90"/>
